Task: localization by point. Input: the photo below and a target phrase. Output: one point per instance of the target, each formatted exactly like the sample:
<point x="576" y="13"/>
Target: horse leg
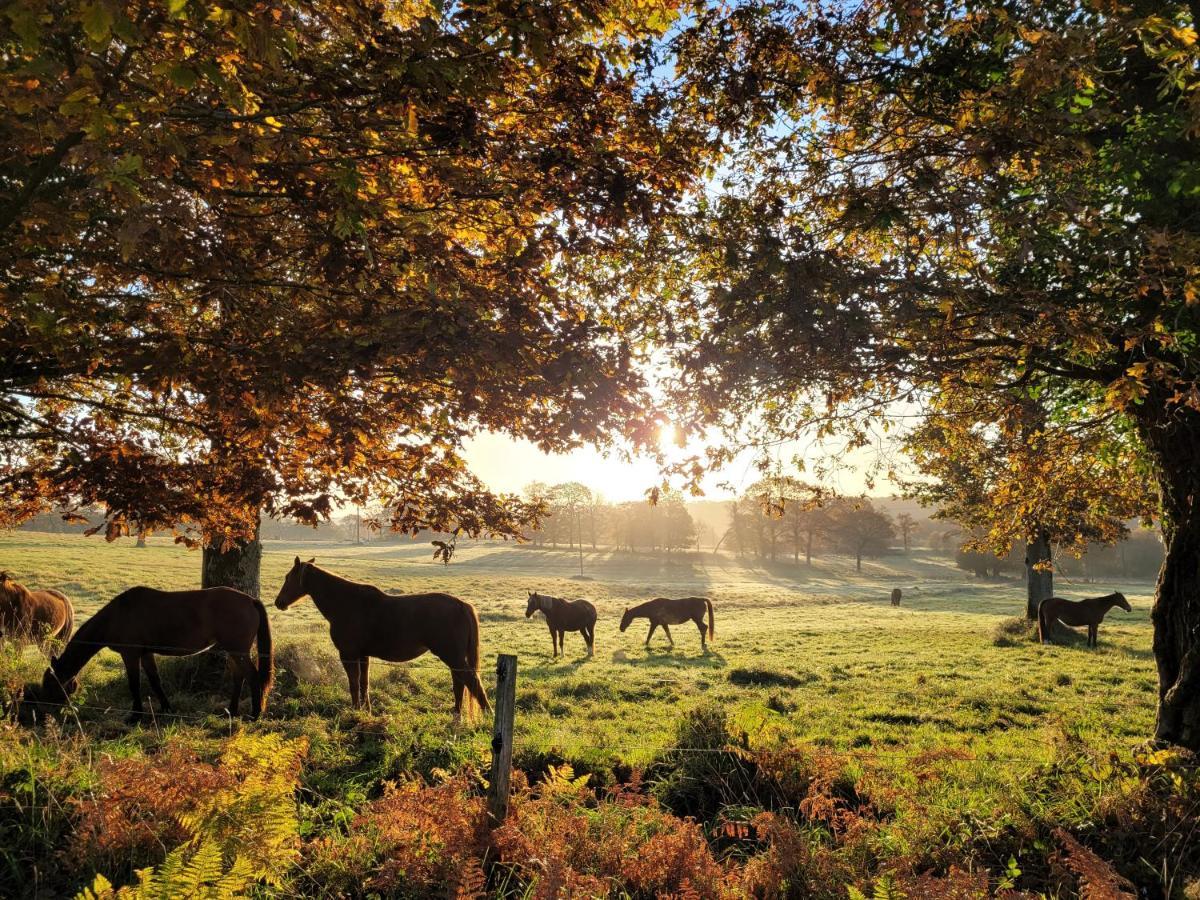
<point x="667" y="631"/>
<point x="699" y="620"/>
<point x="364" y="682"/>
<point x="133" y="672"/>
<point x="590" y="636"/>
<point x="1092" y="633"/>
<point x="235" y="698"/>
<point x="244" y="671"/>
<point x="460" y="685"/>
<point x="653" y="625"/>
<point x="562" y="647"/>
<point x="351" y="667"/>
<point x="155" y="685"/>
<point x="553" y="640"/>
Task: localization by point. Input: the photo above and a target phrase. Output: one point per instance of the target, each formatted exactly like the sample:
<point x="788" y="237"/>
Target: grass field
<point x="803" y="657"/>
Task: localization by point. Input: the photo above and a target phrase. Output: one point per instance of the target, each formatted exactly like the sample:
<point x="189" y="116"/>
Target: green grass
<point x="822" y="644"/>
<point x="811" y="656"/>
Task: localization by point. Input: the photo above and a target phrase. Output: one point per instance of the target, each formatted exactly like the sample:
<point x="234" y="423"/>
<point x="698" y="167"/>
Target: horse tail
<point x="712" y="623"/>
<point x="1043" y="625"/>
<point x="266" y="658"/>
<point x="474" y="685"/>
<point x="69" y="625"/>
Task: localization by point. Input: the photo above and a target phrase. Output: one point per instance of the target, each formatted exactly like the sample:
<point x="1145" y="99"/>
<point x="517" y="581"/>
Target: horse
<point x="143" y="622"/>
<point x="666" y="611"/>
<point x="896" y="596"/>
<point x="366" y="622"/>
<point x="39" y="616"/>
<point x="563" y="616"/>
<point x="1090" y="612"/>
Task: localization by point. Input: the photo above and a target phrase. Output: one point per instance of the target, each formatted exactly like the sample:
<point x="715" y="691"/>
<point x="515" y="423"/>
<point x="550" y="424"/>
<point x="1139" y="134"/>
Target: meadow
<point x="936" y="740"/>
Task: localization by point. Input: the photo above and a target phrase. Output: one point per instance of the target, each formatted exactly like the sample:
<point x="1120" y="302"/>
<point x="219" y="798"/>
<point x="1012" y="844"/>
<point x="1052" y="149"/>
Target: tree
<point x="959" y="200"/>
<point x="906" y="525"/>
<point x="1006" y="471"/>
<point x="859" y="529"/>
<point x="262" y="260"/>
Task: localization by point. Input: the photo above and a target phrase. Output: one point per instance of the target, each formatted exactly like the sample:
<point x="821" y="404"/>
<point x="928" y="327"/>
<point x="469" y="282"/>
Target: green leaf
<point x="97" y="22"/>
<point x="176" y="7"/>
<point x="182" y="76"/>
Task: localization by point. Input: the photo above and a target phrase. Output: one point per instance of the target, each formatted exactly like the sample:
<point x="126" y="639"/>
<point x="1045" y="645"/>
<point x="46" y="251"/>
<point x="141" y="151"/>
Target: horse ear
<point x="297" y="560"/>
<point x="313" y="560"/>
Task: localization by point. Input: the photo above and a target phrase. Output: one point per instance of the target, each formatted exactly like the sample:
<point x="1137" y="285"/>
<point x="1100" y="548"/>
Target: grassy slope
<point x="829" y="661"/>
<point x="927" y="672"/>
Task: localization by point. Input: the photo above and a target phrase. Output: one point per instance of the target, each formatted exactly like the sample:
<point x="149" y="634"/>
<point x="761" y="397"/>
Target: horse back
<point x="182" y="620"/>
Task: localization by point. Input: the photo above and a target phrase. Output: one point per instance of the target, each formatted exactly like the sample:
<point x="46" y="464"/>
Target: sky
<point x="507" y="465"/>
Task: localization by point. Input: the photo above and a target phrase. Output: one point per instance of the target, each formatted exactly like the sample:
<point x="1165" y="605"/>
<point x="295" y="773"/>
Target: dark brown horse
<point x="563" y="616"/>
<point x="39" y="616"/>
<point x="144" y="622"/>
<point x="665" y="611"/>
<point x="896" y="594"/>
<point x="366" y="622"/>
<point x="1090" y="612"/>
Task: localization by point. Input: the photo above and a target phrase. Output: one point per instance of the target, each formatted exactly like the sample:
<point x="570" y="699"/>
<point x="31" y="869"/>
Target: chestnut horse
<point x="1090" y="612"/>
<point x="563" y="616"/>
<point x="27" y="615"/>
<point x="665" y="611"/>
<point x="143" y="622"/>
<point x="366" y="622"/>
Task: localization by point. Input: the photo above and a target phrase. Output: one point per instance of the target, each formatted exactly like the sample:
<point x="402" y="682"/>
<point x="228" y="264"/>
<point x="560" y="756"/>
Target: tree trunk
<point x="237" y="567"/>
<point x="1039" y="583"/>
<point x="808" y="550"/>
<point x="1174" y="443"/>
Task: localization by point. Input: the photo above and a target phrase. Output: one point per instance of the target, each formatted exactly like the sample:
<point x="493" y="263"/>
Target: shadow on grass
<point x="667" y="657"/>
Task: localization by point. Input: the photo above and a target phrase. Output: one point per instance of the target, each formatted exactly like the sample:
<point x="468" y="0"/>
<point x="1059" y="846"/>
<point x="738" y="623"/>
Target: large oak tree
<point x="259" y="256"/>
<point x="956" y="200"/>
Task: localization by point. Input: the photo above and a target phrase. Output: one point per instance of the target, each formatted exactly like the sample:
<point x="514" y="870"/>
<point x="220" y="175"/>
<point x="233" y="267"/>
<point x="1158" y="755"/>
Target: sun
<point x="669" y="438"/>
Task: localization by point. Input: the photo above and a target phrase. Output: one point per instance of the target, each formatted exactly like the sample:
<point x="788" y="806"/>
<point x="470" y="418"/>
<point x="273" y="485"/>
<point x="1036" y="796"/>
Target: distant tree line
<point x="577" y="516"/>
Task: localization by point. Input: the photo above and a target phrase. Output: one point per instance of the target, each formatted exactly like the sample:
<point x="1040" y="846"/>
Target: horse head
<point x="1119" y="600"/>
<point x="293" y="586"/>
<point x="53" y="689"/>
<point x="534" y="604"/>
<point x="626" y="618"/>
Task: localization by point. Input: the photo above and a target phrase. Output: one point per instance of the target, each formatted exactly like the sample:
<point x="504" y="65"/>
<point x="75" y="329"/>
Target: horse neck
<point x="642" y="608"/>
<point x="548" y="604"/>
<point x="329" y="592"/>
<point x="87" y="642"/>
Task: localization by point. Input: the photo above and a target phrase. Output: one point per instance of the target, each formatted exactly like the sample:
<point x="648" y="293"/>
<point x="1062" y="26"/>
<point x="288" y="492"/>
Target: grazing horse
<point x="27" y="615"/>
<point x="666" y="611"/>
<point x="1090" y="612"/>
<point x="143" y="622"/>
<point x="563" y="616"/>
<point x="895" y="596"/>
<point x="366" y="622"/>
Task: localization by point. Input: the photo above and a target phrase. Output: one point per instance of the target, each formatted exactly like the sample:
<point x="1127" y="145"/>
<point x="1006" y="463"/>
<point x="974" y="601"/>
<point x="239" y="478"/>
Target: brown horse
<point x="143" y="622"/>
<point x="896" y="596"/>
<point x="563" y="616"/>
<point x="1090" y="612"/>
<point x="27" y="615"/>
<point x="665" y="611"/>
<point x="366" y="622"/>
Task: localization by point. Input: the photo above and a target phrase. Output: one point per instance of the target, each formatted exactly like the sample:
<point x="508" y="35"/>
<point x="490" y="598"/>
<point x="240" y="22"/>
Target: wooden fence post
<point x="505" y="700"/>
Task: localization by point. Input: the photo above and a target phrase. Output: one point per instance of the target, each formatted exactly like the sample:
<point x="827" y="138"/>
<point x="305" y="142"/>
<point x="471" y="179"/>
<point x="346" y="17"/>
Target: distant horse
<point x="895" y="596"/>
<point x="366" y="622"/>
<point x="143" y="622"/>
<point x="27" y="615"/>
<point x="666" y="611"/>
<point x="1090" y="612"/>
<point x="563" y="616"/>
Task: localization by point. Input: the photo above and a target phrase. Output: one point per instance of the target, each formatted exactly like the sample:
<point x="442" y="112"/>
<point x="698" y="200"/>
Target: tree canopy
<point x="940" y="203"/>
<point x="266" y="256"/>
